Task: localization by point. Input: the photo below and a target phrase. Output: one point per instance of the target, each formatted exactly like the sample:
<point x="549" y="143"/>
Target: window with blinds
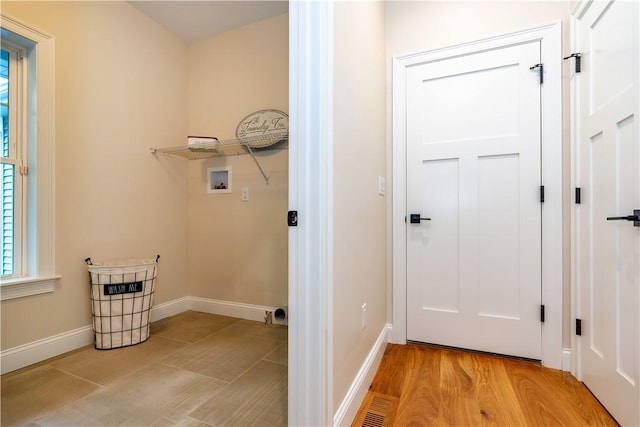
<point x="27" y="242"/>
<point x="27" y="132"/>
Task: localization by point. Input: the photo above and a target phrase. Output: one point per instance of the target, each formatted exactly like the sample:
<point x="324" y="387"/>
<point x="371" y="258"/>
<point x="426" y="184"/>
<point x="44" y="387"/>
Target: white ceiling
<point x="193" y="21"/>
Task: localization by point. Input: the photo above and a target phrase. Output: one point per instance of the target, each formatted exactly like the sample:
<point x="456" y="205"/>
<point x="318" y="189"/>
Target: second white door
<point x="607" y="236"/>
<point x="474" y="169"/>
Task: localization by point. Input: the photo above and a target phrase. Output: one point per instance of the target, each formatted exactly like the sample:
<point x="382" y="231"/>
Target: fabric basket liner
<point x="121" y="294"/>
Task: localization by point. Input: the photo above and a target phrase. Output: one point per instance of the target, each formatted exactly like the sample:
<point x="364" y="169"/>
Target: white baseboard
<point x="232" y="309"/>
<point x="351" y="403"/>
<point x="170" y="308"/>
<point x="566" y="359"/>
<point x="37" y="351"/>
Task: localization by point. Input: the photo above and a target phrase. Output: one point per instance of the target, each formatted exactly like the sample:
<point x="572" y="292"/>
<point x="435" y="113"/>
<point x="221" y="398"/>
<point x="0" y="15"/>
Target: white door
<point x="473" y="168"/>
<point x="608" y="173"/>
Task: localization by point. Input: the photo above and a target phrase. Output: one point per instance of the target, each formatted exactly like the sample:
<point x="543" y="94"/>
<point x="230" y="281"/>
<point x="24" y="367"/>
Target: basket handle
<point x="88" y="260"/>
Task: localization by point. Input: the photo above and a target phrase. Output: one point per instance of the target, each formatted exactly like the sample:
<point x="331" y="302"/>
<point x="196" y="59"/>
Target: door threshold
<point x="466" y="350"/>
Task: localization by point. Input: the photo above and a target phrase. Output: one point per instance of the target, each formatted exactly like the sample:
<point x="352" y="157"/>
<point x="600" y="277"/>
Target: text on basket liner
<point x="123" y="288"/>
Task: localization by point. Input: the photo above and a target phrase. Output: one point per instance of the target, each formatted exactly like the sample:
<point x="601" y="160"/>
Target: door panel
<point x="608" y="252"/>
<point x="610" y="36"/>
<point x="627" y="282"/>
<point x="461" y="94"/>
<point x="499" y="230"/>
<point x="441" y="263"/>
<point x="473" y="167"/>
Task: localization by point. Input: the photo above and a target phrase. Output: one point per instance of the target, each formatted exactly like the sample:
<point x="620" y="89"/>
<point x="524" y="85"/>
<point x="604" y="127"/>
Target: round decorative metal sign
<point x="263" y="128"/>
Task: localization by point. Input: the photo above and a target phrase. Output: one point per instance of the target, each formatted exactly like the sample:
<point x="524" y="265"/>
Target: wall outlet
<point x="364" y="315"/>
<point x="381" y="185"/>
<point x="245" y="194"/>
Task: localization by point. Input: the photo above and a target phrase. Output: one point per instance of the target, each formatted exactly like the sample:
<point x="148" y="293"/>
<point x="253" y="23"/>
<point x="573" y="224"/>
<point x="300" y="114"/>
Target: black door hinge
<point x="292" y="218"/>
<point x="578" y="60"/>
<point x="542" y="313"/>
<point x="579" y="327"/>
<point x="578" y="195"/>
<point x="542" y="194"/>
<point x="540" y="68"/>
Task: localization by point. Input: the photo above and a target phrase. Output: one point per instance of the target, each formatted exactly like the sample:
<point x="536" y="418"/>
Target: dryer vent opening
<point x="281" y="315"/>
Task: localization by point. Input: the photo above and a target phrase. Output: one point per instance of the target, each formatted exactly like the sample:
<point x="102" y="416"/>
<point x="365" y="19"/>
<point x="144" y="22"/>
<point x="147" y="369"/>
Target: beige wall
<point x="238" y="250"/>
<point x="359" y="212"/>
<point x="419" y="26"/>
<point x="121" y="87"/>
<point x="124" y="84"/>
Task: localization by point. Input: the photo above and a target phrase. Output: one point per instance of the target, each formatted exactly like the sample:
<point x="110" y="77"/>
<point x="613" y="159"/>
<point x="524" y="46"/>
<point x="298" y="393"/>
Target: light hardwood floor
<point x="430" y="386"/>
<point x="196" y="369"/>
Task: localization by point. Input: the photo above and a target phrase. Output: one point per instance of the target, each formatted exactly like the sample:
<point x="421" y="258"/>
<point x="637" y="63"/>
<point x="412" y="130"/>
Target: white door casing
<point x="549" y="37"/>
<point x="310" y="193"/>
<point x="607" y="171"/>
<point x="473" y="167"/>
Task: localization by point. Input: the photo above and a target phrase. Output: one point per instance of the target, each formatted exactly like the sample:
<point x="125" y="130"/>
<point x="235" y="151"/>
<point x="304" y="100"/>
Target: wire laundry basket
<point x="121" y="295"/>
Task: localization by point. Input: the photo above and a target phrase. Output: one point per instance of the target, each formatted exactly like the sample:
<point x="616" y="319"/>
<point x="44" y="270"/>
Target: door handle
<point x="635" y="218"/>
<point x="415" y="219"/>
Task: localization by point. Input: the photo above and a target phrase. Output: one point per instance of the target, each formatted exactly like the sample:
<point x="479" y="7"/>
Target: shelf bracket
<point x="253" y="156"/>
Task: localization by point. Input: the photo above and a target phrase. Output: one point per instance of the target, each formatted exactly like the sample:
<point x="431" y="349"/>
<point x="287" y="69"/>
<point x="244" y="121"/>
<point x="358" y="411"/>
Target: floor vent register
<point x="378" y="410"/>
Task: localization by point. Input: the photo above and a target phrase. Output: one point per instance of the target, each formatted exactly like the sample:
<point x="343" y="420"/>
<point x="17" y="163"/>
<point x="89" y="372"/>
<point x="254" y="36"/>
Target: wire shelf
<point x="225" y="147"/>
<point x="229" y="147"/>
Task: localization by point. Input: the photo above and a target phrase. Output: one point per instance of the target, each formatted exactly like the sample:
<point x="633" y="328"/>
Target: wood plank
<point x="444" y="387"/>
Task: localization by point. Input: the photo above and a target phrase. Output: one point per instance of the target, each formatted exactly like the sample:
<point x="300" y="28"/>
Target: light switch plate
<point x="381" y="185"/>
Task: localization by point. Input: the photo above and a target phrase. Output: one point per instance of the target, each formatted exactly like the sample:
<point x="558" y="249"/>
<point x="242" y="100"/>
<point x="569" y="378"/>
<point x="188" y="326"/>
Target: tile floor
<point x="196" y="369"/>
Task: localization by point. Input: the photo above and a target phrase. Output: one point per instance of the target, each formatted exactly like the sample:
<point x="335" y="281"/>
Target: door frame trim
<point x="310" y="370"/>
<point x="576" y="356"/>
<point x="550" y="36"/>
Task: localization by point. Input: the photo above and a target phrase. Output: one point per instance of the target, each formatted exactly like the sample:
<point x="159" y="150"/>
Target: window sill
<point x="26" y="286"/>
